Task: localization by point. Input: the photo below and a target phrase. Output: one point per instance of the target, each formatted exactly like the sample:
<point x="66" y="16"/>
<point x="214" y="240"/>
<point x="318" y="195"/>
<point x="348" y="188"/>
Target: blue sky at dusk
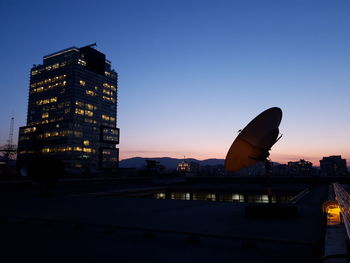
<point x="192" y="73"/>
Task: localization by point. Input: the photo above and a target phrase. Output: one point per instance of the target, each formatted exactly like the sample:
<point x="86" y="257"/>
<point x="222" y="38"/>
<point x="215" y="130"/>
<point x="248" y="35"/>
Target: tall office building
<point x="72" y="111"/>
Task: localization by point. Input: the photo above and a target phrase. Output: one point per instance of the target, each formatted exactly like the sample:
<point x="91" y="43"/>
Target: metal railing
<point x="343" y="198"/>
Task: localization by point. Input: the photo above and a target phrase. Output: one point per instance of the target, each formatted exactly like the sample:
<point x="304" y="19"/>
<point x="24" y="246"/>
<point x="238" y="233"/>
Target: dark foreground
<point x="73" y="227"/>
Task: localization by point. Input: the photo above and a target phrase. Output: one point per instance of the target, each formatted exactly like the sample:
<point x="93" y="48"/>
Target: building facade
<point x="333" y="166"/>
<point x="72" y="111"/>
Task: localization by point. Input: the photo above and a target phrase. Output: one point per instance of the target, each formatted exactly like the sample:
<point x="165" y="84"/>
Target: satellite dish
<point x="254" y="142"/>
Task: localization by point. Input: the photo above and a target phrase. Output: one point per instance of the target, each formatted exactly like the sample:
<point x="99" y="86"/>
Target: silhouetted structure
<point x="9" y="150"/>
<point x="255" y="141"/>
<point x="333" y="166"/>
<point x="301" y="167"/>
<point x="72" y="110"/>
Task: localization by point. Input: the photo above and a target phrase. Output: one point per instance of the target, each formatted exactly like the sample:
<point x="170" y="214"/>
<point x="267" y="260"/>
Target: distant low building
<point x="301" y="168"/>
<point x="183" y="167"/>
<point x="191" y="167"/>
<point x="333" y="166"/>
<point x="297" y="168"/>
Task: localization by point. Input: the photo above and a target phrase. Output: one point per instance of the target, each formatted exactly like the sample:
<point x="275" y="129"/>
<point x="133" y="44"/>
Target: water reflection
<point x="224" y="197"/>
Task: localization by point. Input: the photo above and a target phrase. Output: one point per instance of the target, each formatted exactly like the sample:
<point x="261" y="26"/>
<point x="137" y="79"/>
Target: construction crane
<point x="9" y="149"/>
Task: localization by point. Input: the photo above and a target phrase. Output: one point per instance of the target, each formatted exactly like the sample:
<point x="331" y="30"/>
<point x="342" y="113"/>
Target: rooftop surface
<point x="97" y="228"/>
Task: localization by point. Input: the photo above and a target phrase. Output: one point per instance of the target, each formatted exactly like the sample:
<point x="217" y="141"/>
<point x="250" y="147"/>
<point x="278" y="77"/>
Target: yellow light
<point x="89" y="113"/>
<point x="87" y="150"/>
<point x="90" y="106"/>
<point x="29" y="130"/>
<point x="79" y="111"/>
<point x="333" y="212"/>
<point x="90" y="92"/>
<point x="86" y="143"/>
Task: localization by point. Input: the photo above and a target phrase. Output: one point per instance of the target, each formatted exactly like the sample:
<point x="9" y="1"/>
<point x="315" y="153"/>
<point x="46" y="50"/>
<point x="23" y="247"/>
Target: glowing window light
<point x="90" y="92"/>
<point x="87" y="150"/>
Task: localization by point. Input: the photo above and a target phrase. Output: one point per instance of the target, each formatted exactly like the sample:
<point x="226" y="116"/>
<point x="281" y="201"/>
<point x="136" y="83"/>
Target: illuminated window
<point x="106" y="85"/>
<point x="105" y="117"/>
<point x="86" y="143"/>
<point x="40" y="89"/>
<point x="45" y="150"/>
<point x="89" y="113"/>
<point x="90" y="106"/>
<point x="64" y="149"/>
<point x="111" y="118"/>
<point x="113" y="88"/>
<point x="82" y="82"/>
<point x="87" y="150"/>
<point x="81" y="62"/>
<point x="77" y="149"/>
<point x="79" y="111"/>
<point x="45" y="115"/>
<point x="90" y="92"/>
<point x="106" y="92"/>
<point x="29" y="130"/>
<point x="106" y="152"/>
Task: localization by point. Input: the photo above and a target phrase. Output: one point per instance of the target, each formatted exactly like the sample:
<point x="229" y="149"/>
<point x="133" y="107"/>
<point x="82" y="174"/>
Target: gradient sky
<point x="192" y="73"/>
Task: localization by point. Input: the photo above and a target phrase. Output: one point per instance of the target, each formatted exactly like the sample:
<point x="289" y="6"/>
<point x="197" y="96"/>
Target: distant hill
<point x="169" y="163"/>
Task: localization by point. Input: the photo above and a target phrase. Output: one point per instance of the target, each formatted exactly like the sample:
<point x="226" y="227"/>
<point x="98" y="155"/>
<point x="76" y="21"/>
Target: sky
<point x="194" y="72"/>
